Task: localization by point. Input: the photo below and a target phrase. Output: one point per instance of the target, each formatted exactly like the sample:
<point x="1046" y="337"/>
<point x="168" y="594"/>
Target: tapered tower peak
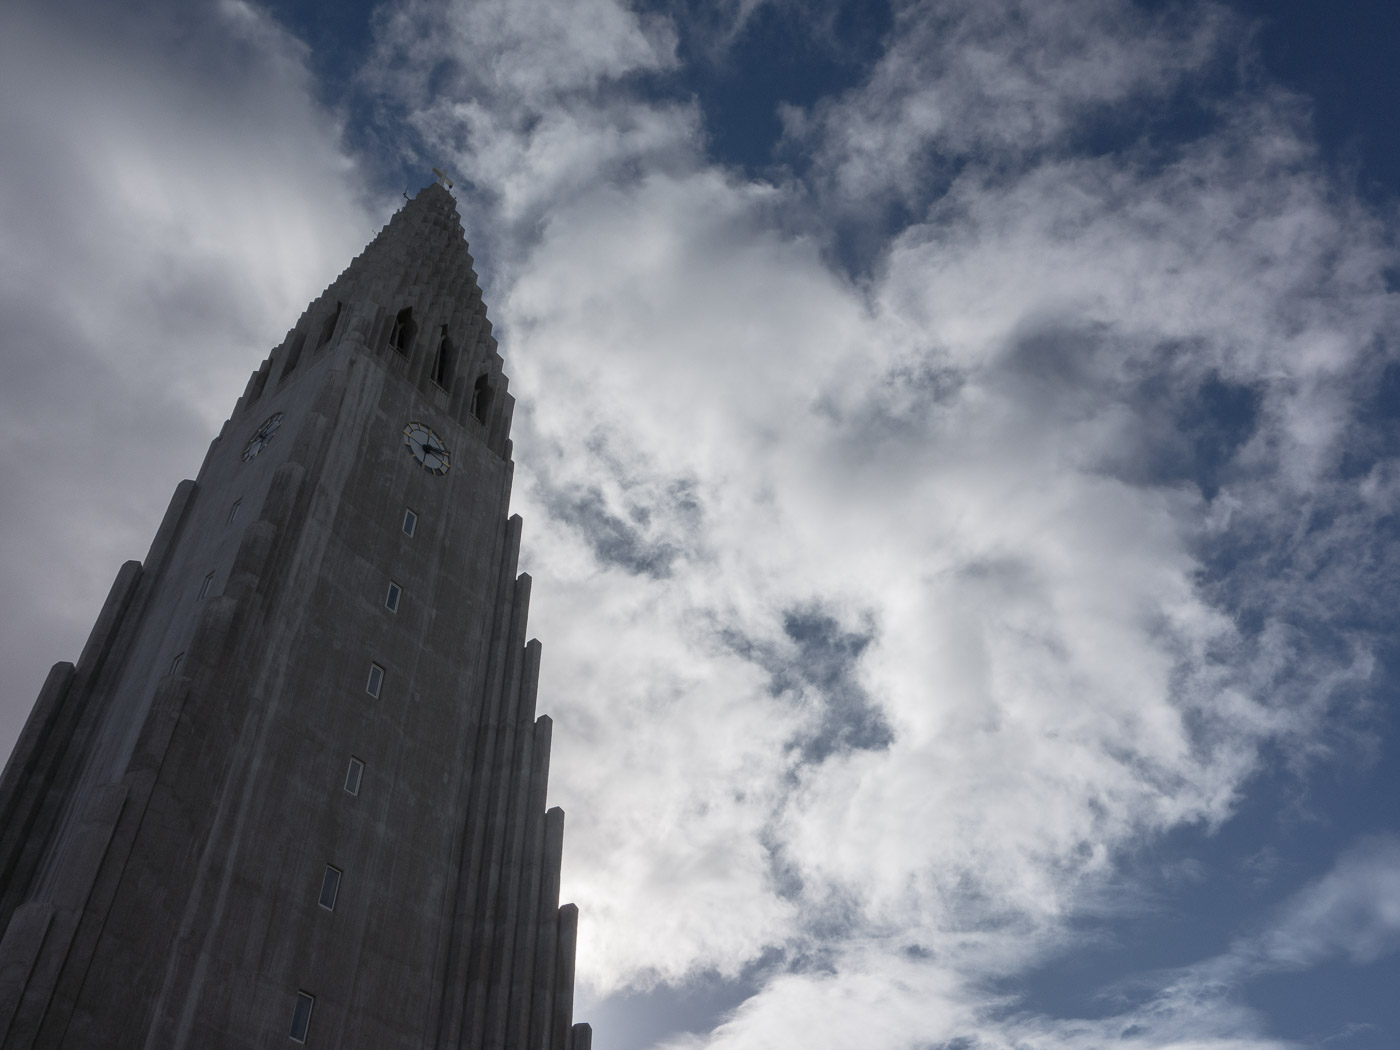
<point x="410" y="301"/>
<point x="423" y="238"/>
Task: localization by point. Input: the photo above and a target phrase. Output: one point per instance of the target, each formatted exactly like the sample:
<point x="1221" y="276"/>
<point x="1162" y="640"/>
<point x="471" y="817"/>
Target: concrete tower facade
<point x="293" y="790"/>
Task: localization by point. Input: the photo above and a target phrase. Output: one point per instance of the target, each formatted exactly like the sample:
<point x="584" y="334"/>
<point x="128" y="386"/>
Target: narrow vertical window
<point x="330" y="888"/>
<point x="391" y="600"/>
<point x="233" y="511"/>
<point x="410" y="522"/>
<point x="401" y="335"/>
<point x="301" y="1016"/>
<point x="481" y="397"/>
<point x="354" y="773"/>
<point x="204" y="587"/>
<point x="176" y="663"/>
<point x="375" y="681"/>
<point x="442" y="364"/>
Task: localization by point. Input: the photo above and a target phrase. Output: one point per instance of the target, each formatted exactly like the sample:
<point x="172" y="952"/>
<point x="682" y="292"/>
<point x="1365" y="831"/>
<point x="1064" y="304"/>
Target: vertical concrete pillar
<point x="528" y="926"/>
<point x="482" y="972"/>
<point x="514" y="874"/>
<point x="542" y="991"/>
<point x="564" y="976"/>
<point x="19" y="951"/>
<point x="467" y="927"/>
<point x="25" y="786"/>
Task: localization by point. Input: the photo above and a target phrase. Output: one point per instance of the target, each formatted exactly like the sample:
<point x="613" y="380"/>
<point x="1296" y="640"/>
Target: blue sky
<point x="956" y="440"/>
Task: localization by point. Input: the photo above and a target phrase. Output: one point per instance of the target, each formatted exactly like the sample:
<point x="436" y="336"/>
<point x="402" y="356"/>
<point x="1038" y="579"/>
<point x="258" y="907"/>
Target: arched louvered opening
<point x="442" y="363"/>
<point x="293" y="353"/>
<point x="481" y="397"/>
<point x="328" y="329"/>
<point x="405" y="328"/>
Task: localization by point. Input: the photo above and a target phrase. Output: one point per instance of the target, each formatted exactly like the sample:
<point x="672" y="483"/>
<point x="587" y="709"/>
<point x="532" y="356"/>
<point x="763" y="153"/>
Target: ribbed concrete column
<point x="514" y="873"/>
<point x="481" y="971"/>
<point x="528" y="926"/>
<point x="25" y="786"/>
<point x="467" y="928"/>
<point x="546" y="952"/>
<point x="564" y="976"/>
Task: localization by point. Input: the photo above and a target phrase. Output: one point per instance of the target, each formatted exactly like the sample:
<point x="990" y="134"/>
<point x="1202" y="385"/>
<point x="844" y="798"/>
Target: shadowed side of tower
<point x="294" y="786"/>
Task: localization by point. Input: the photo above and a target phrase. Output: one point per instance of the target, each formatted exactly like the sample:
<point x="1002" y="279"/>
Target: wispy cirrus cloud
<point x="1351" y="914"/>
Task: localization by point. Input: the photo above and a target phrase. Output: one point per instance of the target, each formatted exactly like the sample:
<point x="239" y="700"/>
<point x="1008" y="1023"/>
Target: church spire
<point x="296" y="786"/>
<point x="410" y="299"/>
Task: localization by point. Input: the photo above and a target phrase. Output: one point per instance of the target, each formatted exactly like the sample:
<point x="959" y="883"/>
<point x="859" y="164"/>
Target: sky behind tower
<point x="957" y="444"/>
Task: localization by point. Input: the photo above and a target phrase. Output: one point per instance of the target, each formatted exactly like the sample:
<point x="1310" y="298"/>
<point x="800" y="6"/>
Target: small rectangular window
<point x="391" y="600"/>
<point x="301" y="1016"/>
<point x="175" y="663"/>
<point x="330" y="887"/>
<point x="233" y="511"/>
<point x="204" y="587"/>
<point x="376" y="680"/>
<point x="353" y="775"/>
<point x="410" y="522"/>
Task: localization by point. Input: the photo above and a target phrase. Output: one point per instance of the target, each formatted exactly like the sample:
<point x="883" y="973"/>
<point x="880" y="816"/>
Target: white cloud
<point x="971" y="81"/>
<point x="530" y="100"/>
<point x="1352" y="912"/>
<point x="979" y="457"/>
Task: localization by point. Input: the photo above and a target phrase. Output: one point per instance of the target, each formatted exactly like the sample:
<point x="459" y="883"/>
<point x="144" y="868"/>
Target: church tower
<point x="293" y="790"/>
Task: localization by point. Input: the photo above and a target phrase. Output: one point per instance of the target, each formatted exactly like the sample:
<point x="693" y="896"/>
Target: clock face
<point x="262" y="437"/>
<point x="427" y="448"/>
